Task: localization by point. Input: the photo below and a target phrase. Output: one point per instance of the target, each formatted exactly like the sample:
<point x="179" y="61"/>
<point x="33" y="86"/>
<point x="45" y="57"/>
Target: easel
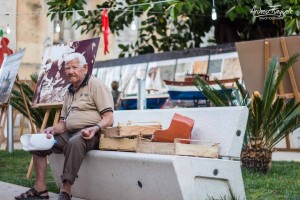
<point x="22" y="121"/>
<point x="48" y="107"/>
<point x="3" y="117"/>
<point x="4" y="110"/>
<point x="18" y="83"/>
<point x="4" y="107"/>
<point x="295" y="93"/>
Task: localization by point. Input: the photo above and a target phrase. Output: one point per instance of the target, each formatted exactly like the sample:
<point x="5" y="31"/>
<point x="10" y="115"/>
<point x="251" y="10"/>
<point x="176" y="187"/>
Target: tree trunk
<point x="257" y="159"/>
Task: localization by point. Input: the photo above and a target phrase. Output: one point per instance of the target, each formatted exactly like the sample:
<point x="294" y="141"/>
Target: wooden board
<point x="139" y="145"/>
<point x="156" y="147"/>
<point x="110" y="132"/>
<point x="130" y="130"/>
<point x="198" y="150"/>
<point x="118" y="144"/>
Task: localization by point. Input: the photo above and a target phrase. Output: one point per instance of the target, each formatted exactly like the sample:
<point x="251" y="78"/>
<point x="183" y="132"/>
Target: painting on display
<point x="182" y="69"/>
<point x="252" y="60"/>
<point x="8" y="74"/>
<point x="224" y="66"/>
<point x="52" y="82"/>
<point x="215" y="68"/>
<point x="95" y="72"/>
<point x="130" y="76"/>
<point x="200" y="67"/>
<point x="108" y="75"/>
<point x="231" y="66"/>
<point x="192" y="65"/>
<point x="158" y="72"/>
<point x="101" y="74"/>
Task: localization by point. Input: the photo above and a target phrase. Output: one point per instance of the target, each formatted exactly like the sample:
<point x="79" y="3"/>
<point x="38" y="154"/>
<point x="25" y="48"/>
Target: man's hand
<point x="49" y="130"/>
<point x="89" y="133"/>
<point x="107" y="120"/>
<point x="58" y="128"/>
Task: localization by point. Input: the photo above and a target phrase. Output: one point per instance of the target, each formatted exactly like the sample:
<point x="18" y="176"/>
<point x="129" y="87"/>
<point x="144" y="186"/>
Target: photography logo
<point x="274" y="12"/>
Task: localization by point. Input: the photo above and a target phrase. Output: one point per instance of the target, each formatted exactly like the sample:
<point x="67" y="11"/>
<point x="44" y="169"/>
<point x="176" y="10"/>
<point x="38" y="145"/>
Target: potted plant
<point x="271" y="117"/>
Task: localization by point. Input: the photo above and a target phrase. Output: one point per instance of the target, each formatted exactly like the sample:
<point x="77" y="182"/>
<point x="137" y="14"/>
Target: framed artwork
<point x="52" y="82"/>
<point x="130" y="76"/>
<point x="231" y="66"/>
<point x="215" y="68"/>
<point x="159" y="71"/>
<point x="252" y="60"/>
<point x="192" y="65"/>
<point x="101" y="73"/>
<point x="95" y="72"/>
<point x="220" y="62"/>
<point x="200" y="66"/>
<point x="108" y="75"/>
<point x="8" y="74"/>
<point x="224" y="66"/>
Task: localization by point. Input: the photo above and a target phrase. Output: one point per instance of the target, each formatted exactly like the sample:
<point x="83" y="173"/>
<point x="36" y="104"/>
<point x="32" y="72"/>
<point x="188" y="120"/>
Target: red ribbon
<point x="105" y="29"/>
<point x="4" y="49"/>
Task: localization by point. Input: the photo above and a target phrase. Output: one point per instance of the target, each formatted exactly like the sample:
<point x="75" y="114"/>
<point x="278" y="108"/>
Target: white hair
<point x="76" y="55"/>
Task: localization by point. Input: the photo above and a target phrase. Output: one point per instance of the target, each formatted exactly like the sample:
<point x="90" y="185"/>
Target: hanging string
<point x="116" y="9"/>
<point x="100" y="9"/>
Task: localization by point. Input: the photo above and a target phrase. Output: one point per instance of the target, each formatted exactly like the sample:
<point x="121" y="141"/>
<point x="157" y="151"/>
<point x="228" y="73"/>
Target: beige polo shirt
<point x="85" y="107"/>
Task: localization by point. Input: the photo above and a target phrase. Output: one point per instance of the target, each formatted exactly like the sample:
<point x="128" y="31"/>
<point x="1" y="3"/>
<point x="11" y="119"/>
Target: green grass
<point x="281" y="182"/>
<point x="14" y="166"/>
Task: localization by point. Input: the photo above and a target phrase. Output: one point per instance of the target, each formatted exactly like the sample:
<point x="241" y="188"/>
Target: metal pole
<point x="141" y="98"/>
<point x="10" y="130"/>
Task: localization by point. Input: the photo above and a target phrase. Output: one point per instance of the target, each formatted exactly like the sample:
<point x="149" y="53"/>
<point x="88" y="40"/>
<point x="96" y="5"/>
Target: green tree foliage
<point x="180" y="24"/>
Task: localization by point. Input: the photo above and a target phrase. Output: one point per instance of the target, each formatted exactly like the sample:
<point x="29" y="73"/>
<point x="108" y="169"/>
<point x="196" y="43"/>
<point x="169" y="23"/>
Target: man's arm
<point x="106" y="121"/>
<point x="58" y="128"/>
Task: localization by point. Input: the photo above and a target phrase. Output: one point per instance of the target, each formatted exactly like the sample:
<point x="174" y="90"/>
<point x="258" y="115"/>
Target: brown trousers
<point x="74" y="148"/>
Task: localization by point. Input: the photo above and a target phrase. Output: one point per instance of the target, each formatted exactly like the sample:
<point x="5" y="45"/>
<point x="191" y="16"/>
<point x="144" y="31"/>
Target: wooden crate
<point x="131" y="129"/>
<point x="118" y="144"/>
<point x="196" y="148"/>
<point x="140" y="145"/>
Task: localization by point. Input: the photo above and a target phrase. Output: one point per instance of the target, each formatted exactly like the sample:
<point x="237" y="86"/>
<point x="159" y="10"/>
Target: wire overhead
<point x="151" y="3"/>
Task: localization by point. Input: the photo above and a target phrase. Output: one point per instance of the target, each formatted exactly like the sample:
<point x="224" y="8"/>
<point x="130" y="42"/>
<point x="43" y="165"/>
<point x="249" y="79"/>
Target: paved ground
<point x="8" y="191"/>
<point x="286" y="156"/>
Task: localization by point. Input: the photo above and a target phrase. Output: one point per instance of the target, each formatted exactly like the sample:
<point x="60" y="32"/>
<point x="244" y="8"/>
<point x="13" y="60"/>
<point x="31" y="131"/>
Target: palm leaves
<point x="216" y="98"/>
<point x="287" y="120"/>
<point x="37" y="114"/>
<point x="271" y="117"/>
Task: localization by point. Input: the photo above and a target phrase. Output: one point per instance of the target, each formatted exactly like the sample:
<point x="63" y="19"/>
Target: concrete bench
<point x="110" y="175"/>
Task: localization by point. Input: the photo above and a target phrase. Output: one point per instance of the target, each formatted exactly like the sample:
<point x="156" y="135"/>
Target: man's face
<point x="75" y="72"/>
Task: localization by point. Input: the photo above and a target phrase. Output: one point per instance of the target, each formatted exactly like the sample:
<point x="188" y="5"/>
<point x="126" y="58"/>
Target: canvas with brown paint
<point x="52" y="82"/>
<point x="252" y="60"/>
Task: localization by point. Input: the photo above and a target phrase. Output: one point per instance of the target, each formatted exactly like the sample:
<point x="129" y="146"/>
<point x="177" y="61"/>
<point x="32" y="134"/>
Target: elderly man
<point x="88" y="107"/>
